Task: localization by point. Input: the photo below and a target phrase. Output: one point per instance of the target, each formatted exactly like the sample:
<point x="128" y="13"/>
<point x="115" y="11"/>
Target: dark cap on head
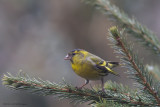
<point x="76" y="50"/>
<point x="71" y="53"/>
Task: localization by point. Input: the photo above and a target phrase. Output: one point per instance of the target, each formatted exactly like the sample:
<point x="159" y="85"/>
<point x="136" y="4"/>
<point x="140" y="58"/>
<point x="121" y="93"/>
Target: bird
<point x="90" y="66"/>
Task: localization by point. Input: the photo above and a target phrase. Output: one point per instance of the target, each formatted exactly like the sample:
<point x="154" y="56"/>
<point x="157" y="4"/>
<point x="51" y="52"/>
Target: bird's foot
<point x="78" y="88"/>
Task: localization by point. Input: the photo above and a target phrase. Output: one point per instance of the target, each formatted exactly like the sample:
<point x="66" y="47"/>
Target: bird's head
<point x="75" y="53"/>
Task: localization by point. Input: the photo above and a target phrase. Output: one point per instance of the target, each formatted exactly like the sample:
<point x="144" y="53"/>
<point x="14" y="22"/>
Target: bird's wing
<point x="101" y="65"/>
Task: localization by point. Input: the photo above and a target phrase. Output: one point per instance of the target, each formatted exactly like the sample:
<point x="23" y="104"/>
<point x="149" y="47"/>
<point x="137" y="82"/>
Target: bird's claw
<point x="78" y="88"/>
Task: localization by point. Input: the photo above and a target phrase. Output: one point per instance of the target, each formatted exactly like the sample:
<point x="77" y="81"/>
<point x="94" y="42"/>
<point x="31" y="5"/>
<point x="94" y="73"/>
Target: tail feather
<point x="112" y="72"/>
<point x="112" y="64"/>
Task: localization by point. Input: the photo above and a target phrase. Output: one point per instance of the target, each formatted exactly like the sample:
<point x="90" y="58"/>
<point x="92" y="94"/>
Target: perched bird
<point x="90" y="66"/>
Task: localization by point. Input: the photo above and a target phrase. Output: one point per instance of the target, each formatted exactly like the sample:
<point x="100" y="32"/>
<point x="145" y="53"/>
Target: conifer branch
<point x="132" y="26"/>
<point x="137" y="70"/>
<point x="113" y="92"/>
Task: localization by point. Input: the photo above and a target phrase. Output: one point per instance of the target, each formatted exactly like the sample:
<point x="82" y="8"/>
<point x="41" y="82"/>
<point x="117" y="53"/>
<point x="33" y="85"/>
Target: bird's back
<point x="86" y="66"/>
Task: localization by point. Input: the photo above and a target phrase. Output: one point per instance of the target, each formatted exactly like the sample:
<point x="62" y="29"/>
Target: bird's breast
<point x="86" y="71"/>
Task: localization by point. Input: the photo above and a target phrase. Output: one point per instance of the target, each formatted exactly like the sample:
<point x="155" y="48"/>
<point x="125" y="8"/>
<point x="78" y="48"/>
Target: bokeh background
<point x="35" y="35"/>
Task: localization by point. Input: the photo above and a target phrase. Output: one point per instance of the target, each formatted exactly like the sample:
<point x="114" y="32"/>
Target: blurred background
<point x="35" y="36"/>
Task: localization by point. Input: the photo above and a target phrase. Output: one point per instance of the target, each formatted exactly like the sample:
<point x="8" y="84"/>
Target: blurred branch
<point x="132" y="26"/>
<point x="154" y="71"/>
<point x="113" y="92"/>
<point x="137" y="71"/>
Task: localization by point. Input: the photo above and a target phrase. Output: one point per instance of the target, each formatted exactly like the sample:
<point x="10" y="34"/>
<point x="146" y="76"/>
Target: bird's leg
<point x="86" y="82"/>
<point x="102" y="84"/>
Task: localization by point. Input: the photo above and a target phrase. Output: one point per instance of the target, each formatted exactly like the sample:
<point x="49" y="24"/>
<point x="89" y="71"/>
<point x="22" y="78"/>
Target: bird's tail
<point x="112" y="64"/>
<point x="112" y="72"/>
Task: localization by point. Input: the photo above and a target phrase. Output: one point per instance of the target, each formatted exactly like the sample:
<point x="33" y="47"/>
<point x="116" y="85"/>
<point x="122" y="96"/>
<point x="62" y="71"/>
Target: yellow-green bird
<point x="90" y="66"/>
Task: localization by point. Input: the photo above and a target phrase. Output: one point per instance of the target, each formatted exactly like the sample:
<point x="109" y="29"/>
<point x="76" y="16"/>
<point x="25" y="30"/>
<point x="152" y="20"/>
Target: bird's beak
<point x="67" y="57"/>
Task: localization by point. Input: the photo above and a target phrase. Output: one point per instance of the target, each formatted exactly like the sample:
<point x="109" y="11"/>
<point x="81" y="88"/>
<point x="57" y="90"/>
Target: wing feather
<point x="102" y="67"/>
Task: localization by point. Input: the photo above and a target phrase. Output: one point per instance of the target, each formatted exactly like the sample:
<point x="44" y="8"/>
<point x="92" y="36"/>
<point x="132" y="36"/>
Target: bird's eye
<point x="73" y="53"/>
